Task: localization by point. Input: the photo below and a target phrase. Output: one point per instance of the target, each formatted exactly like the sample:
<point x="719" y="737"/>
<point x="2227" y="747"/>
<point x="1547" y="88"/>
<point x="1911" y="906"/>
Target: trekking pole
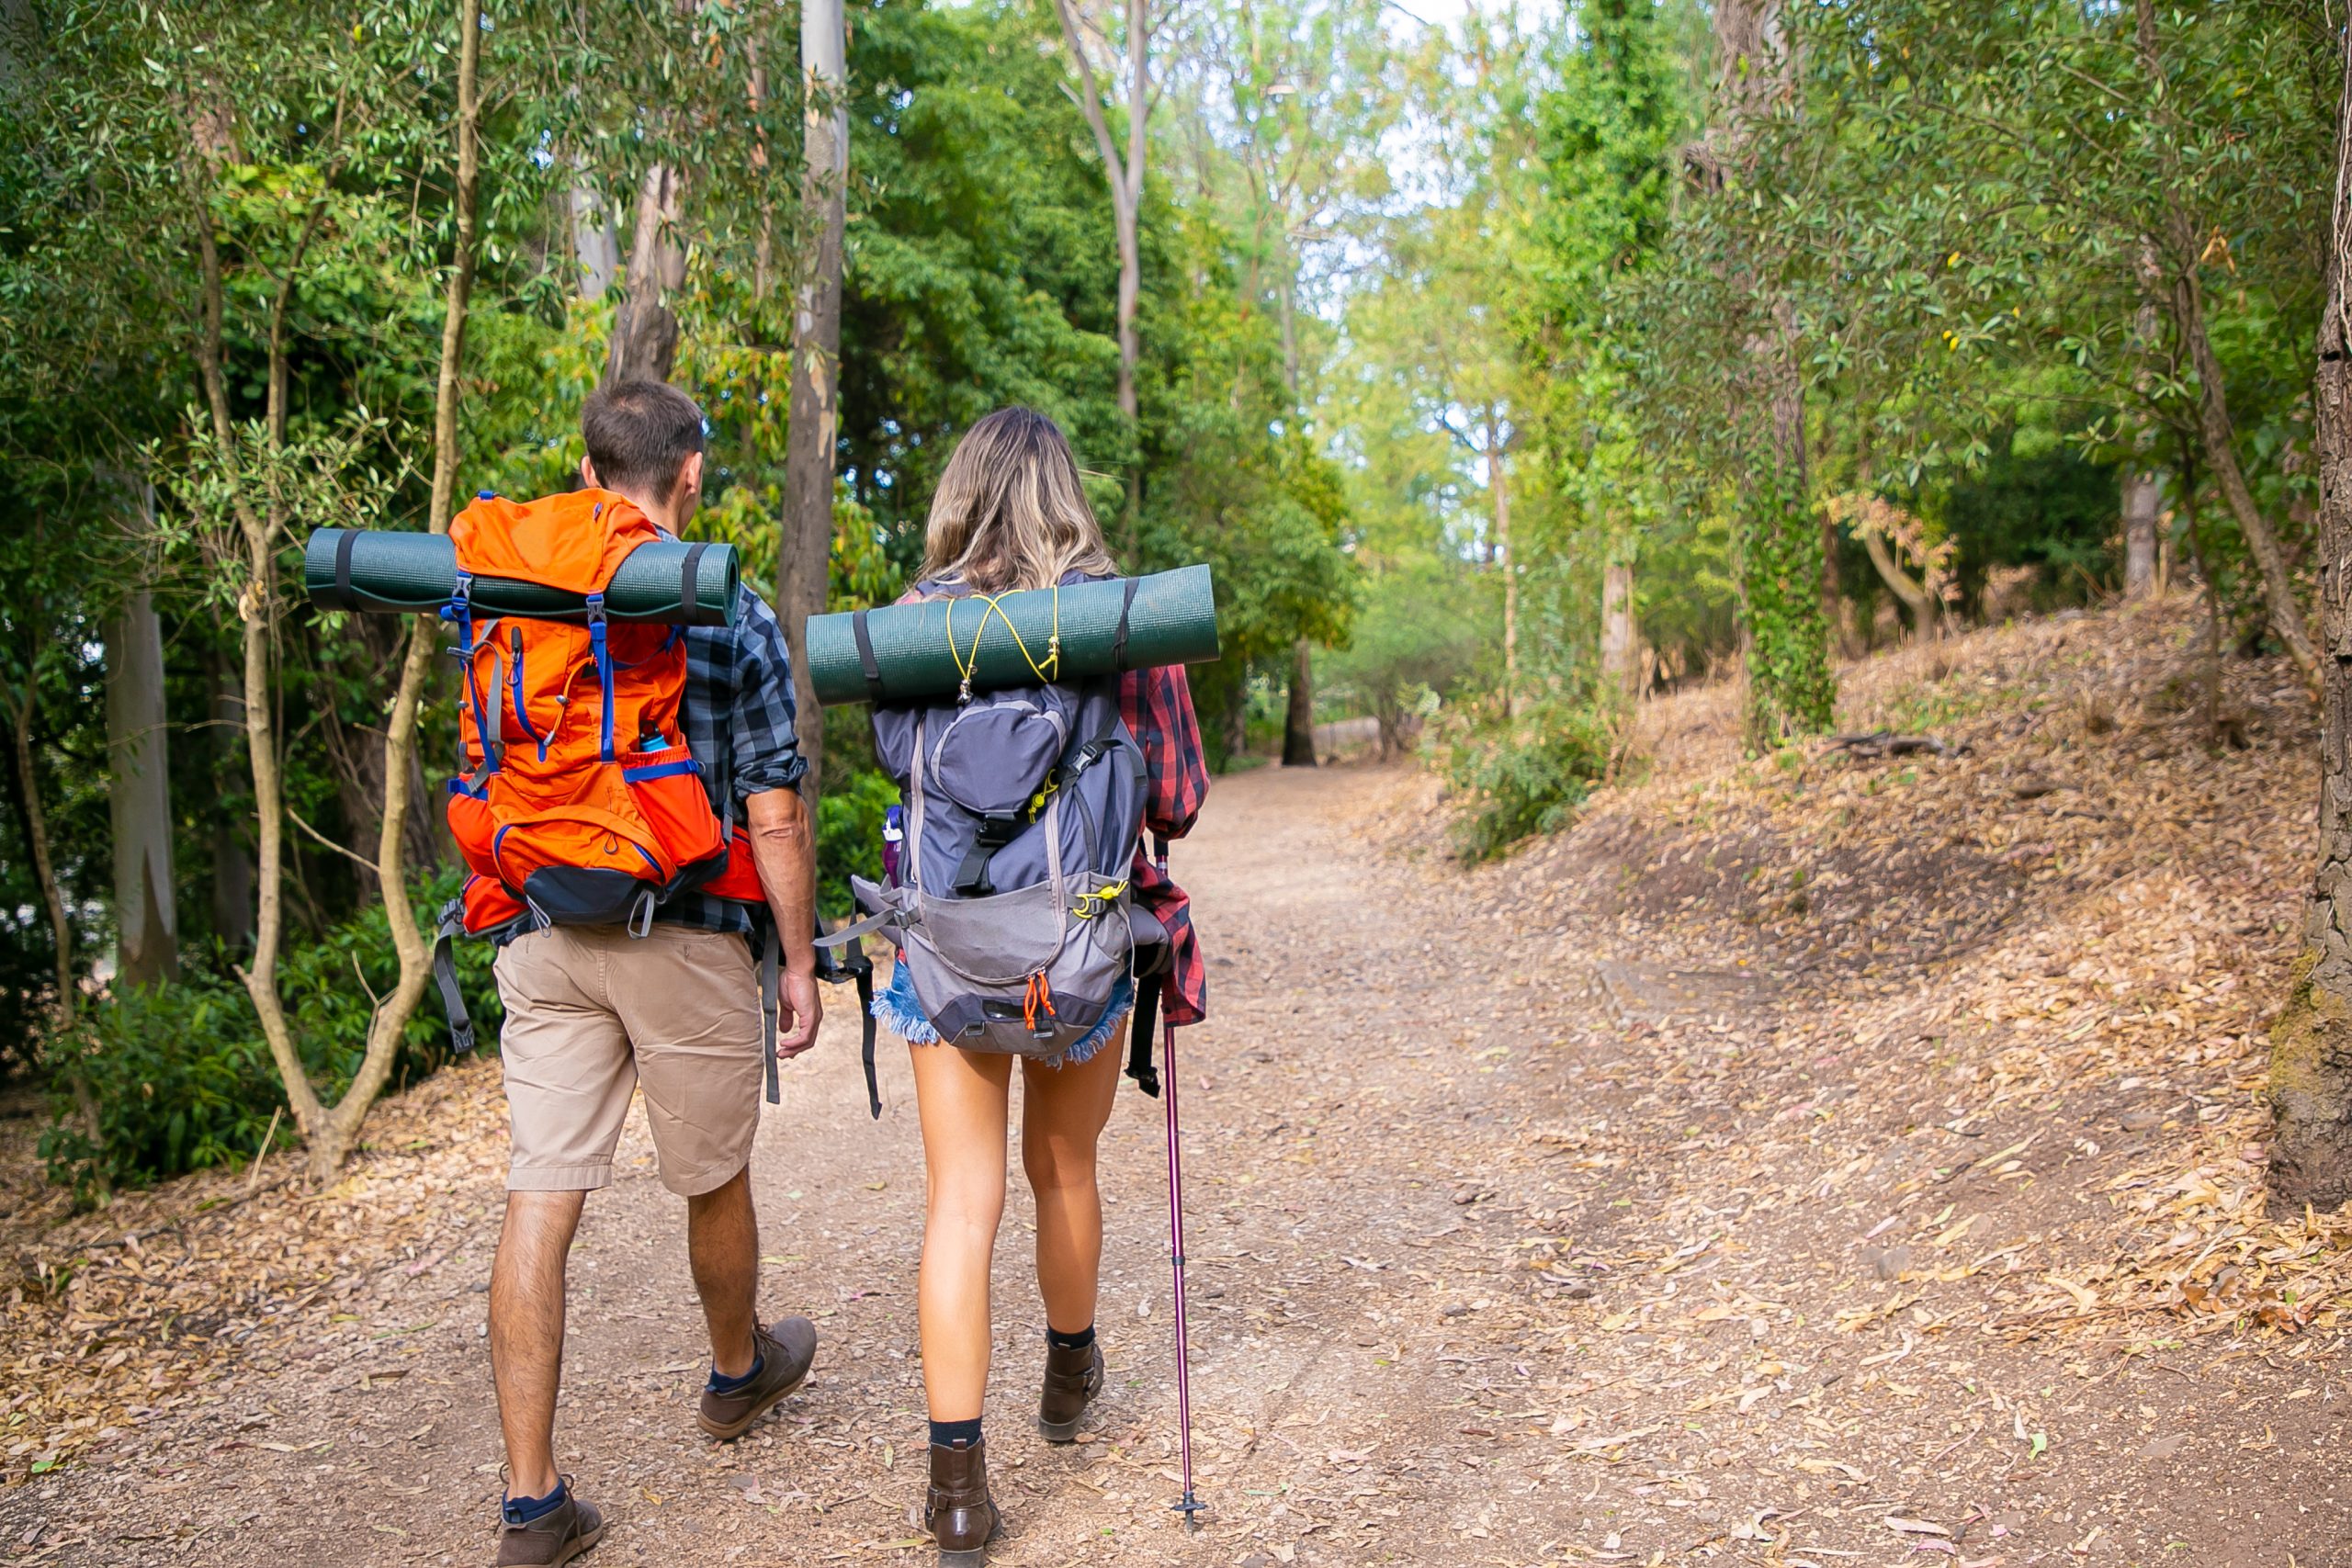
<point x="1189" y="1506"/>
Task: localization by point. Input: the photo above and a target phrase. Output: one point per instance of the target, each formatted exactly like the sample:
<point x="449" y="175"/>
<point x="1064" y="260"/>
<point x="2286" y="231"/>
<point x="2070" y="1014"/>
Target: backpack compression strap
<point x="445" y="974"/>
<point x="839" y="959"/>
<point x="770" y="1004"/>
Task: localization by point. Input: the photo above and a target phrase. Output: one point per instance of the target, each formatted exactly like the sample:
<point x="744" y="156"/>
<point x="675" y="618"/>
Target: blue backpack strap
<point x="603" y="656"/>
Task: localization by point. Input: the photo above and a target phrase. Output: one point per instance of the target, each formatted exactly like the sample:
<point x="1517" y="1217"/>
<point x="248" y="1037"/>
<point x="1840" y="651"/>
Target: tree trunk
<point x="804" y="557"/>
<point x="1131" y="253"/>
<point x="645" y="335"/>
<point x="260" y="528"/>
<point x="65" y="1051"/>
<point x="1125" y="176"/>
<point x="146" y="918"/>
<point x="1499" y="493"/>
<point x="2181" y="249"/>
<point x="37" y="849"/>
<point x="2310" y="1044"/>
<point x="232" y="860"/>
<point x="1915" y="598"/>
<point x="339" y="1131"/>
<point x="1784" y="639"/>
<point x="1619" y="638"/>
<point x="1298" y="718"/>
<point x="594" y="242"/>
<point x="2143" y="496"/>
<point x="2219" y="438"/>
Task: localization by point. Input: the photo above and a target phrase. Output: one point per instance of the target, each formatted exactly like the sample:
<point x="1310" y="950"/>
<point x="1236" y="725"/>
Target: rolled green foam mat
<point x="412" y="572"/>
<point x="1171" y="620"/>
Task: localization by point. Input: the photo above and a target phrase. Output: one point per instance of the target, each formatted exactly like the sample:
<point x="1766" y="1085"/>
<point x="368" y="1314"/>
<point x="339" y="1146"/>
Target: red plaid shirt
<point x="1158" y="706"/>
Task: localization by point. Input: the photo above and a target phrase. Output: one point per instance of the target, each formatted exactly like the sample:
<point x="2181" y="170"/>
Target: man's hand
<point x="806" y="1006"/>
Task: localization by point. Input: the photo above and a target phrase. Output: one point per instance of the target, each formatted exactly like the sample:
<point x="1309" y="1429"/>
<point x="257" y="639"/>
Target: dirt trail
<point x="1467" y="1287"/>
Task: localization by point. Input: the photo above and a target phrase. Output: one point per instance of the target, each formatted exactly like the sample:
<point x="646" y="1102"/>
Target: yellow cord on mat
<point x="966" y="668"/>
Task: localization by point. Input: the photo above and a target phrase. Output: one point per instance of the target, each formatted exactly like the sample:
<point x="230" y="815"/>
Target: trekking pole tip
<point x="1191" y="1507"/>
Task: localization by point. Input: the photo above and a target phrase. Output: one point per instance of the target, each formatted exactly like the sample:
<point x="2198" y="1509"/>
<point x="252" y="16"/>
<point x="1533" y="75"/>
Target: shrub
<point x="177" y="1076"/>
<point x="1528" y="777"/>
<point x="849" y="835"/>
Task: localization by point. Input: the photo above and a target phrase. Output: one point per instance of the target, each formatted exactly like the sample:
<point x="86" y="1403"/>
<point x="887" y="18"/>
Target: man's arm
<point x="784" y="847"/>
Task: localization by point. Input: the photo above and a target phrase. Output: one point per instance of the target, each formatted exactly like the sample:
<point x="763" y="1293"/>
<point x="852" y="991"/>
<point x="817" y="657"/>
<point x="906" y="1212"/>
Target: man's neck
<point x="661" y="516"/>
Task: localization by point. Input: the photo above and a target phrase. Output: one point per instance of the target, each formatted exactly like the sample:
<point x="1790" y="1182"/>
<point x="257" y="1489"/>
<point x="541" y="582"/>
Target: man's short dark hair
<point x="637" y="434"/>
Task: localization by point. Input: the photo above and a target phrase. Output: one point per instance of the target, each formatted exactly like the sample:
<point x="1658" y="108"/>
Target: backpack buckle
<point x="996" y="831"/>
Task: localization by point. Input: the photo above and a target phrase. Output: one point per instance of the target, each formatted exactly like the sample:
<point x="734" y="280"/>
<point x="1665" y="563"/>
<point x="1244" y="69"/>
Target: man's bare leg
<point x="723" y="1248"/>
<point x="527" y="1332"/>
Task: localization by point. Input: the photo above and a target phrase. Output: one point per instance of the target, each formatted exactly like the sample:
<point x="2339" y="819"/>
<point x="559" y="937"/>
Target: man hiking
<point x="669" y="1000"/>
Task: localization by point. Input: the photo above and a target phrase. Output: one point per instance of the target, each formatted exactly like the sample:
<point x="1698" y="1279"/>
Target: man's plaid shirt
<point x="739" y="722"/>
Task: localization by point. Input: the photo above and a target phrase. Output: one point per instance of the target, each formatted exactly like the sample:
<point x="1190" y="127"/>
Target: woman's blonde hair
<point x="1010" y="511"/>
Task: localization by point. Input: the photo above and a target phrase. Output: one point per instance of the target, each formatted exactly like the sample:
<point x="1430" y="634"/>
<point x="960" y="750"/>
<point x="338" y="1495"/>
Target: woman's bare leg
<point x="960" y="1096"/>
<point x="1062" y="1115"/>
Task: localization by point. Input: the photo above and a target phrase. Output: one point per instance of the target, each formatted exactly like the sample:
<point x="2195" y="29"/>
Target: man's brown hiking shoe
<point x="1072" y="1380"/>
<point x="556" y="1537"/>
<point x="783" y="1352"/>
<point x="957" y="1510"/>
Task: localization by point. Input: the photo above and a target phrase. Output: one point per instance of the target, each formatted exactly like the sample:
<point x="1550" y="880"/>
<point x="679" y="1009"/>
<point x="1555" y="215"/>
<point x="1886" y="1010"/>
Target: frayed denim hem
<point x="898" y="1010"/>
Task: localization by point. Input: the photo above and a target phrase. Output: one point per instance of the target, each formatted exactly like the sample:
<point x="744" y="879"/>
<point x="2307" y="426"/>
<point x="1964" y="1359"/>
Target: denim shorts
<point x="902" y="1015"/>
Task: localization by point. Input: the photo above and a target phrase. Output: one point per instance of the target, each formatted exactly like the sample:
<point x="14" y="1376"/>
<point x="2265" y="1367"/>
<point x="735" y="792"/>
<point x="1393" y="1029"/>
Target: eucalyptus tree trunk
<point x="2143" y="494"/>
<point x="1298" y="718"/>
<point x="1778" y="554"/>
<point x="2143" y="489"/>
<point x="804" y="555"/>
<point x="38" y="849"/>
<point x="1125" y="175"/>
<point x="645" y="333"/>
<point x="232" y="859"/>
<point x="1498" y="495"/>
<point x="2310" y="1044"/>
<point x="1619" y="638"/>
<point x="594" y="242"/>
<point x="139" y="795"/>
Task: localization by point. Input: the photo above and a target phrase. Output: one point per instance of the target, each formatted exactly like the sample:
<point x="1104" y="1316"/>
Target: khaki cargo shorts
<point x="592" y="1012"/>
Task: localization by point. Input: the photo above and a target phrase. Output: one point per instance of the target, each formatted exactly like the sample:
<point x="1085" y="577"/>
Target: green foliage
<point x="1791" y="689"/>
<point x="1419" y="636"/>
<point x="1529" y="776"/>
<point x="849" y="836"/>
<point x="177" y="1076"/>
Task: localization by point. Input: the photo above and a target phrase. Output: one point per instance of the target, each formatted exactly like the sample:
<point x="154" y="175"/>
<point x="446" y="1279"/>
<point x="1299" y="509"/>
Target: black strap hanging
<point x="1142" y="1030"/>
<point x="1119" y="644"/>
<point x="866" y="660"/>
<point x="445" y="975"/>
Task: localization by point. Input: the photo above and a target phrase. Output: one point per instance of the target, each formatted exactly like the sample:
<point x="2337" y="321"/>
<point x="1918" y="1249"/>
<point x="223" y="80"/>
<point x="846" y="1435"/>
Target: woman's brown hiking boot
<point x="957" y="1510"/>
<point x="1072" y="1380"/>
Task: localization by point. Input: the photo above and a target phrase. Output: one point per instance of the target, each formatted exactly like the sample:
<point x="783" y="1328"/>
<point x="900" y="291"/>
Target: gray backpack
<point x="1024" y="807"/>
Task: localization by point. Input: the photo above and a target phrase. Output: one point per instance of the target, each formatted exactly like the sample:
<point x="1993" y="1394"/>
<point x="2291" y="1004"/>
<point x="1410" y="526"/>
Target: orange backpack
<point x="580" y="803"/>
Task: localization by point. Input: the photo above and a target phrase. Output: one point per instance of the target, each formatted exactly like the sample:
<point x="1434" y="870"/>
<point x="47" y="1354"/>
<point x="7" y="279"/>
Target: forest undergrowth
<point x="2014" y="997"/>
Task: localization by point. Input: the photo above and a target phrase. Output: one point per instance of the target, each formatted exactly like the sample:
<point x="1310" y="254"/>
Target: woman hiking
<point x="1011" y="514"/>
